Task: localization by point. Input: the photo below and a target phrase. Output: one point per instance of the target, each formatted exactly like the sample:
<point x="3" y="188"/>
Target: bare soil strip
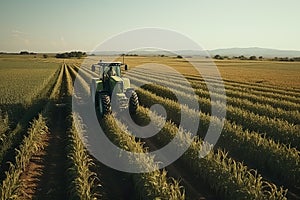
<point x="45" y="175"/>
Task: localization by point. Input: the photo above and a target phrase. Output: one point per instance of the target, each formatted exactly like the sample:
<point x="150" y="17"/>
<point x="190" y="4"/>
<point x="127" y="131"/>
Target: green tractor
<point x="111" y="91"/>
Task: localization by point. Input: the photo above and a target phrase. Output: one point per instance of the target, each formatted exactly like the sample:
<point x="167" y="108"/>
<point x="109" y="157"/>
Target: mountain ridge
<point x="235" y="51"/>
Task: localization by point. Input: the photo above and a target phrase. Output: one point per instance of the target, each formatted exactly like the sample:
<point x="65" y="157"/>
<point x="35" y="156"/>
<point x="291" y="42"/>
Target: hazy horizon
<point x="59" y="26"/>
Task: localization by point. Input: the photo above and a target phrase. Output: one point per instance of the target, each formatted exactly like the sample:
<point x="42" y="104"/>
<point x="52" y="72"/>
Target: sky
<point x="58" y="26"/>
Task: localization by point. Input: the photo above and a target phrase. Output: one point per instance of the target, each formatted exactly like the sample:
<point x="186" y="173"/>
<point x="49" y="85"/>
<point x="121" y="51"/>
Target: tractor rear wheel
<point x="133" y="103"/>
<point x="104" y="105"/>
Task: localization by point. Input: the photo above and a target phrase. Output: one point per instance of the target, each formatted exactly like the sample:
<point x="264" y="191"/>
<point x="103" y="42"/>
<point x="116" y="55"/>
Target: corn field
<point x="256" y="157"/>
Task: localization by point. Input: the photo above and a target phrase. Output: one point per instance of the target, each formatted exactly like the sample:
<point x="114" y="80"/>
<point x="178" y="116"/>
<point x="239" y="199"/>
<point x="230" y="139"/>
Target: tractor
<point x="111" y="91"/>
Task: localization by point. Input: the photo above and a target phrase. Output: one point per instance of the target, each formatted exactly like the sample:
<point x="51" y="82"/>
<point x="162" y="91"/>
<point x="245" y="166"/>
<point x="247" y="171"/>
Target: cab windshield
<point x="115" y="69"/>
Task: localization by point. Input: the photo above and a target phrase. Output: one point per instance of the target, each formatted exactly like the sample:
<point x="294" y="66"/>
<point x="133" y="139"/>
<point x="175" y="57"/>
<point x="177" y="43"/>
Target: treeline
<point x="287" y="59"/>
<point x="27" y="53"/>
<point x="242" y="57"/>
<point x="73" y="54"/>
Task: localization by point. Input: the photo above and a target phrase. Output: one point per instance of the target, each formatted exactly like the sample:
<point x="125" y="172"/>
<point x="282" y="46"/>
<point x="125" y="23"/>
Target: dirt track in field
<point x="45" y="175"/>
<point x="52" y="183"/>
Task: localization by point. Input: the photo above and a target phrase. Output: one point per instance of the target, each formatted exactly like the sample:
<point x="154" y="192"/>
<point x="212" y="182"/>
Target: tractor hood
<point x="116" y="78"/>
<point x="126" y="81"/>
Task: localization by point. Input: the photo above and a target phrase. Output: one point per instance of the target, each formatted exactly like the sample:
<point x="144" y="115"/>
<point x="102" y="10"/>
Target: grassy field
<point x="256" y="157"/>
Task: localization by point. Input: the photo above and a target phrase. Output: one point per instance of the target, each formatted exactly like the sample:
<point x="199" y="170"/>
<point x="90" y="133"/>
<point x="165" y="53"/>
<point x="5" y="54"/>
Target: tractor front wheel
<point x="133" y="102"/>
<point x="104" y="105"/>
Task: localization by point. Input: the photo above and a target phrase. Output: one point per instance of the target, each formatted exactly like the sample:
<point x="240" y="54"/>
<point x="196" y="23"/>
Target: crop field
<point x="43" y="143"/>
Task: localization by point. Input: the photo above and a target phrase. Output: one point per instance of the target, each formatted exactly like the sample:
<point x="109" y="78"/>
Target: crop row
<point x="58" y="86"/>
<point x="212" y="168"/>
<point x="293" y="93"/>
<point x="83" y="182"/>
<point x="228" y="178"/>
<point x="279" y="160"/>
<point x="69" y="81"/>
<point x="11" y="187"/>
<point x="277" y="129"/>
<point x="84" y="73"/>
<point x="4" y="126"/>
<point x="15" y="136"/>
<point x="244" y="94"/>
<point x="242" y="88"/>
<point x="253" y="86"/>
<point x="23" y="85"/>
<point x="81" y="86"/>
<point x="152" y="185"/>
<point x="257" y="108"/>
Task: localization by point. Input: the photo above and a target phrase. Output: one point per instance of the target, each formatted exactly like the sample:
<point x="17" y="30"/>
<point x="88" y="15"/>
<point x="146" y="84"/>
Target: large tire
<point x="133" y="102"/>
<point x="96" y="99"/>
<point x="104" y="105"/>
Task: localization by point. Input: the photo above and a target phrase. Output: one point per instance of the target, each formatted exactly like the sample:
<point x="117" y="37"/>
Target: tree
<point x="73" y="54"/>
<point x="252" y="58"/>
<point x="218" y="57"/>
<point x="284" y="59"/>
<point x="296" y="58"/>
<point x="179" y="56"/>
<point x="45" y="56"/>
<point x="260" y="57"/>
<point x="24" y="53"/>
<point x="242" y="57"/>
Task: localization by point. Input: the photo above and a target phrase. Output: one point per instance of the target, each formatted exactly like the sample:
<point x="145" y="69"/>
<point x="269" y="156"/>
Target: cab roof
<point x="110" y="63"/>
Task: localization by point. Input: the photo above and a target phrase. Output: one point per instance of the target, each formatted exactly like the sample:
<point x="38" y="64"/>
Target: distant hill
<point x="255" y="51"/>
<point x="251" y="51"/>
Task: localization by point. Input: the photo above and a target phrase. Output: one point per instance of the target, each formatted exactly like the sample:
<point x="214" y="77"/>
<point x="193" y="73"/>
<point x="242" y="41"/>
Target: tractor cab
<point x="111" y="89"/>
<point x="105" y="68"/>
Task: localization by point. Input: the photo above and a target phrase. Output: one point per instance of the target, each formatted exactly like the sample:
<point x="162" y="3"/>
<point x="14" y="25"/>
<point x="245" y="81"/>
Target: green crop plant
<point x="282" y="161"/>
<point x="11" y="185"/>
<point x="244" y="94"/>
<point x="274" y="128"/>
<point x="83" y="182"/>
<point x="261" y="108"/>
<point x="152" y="185"/>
